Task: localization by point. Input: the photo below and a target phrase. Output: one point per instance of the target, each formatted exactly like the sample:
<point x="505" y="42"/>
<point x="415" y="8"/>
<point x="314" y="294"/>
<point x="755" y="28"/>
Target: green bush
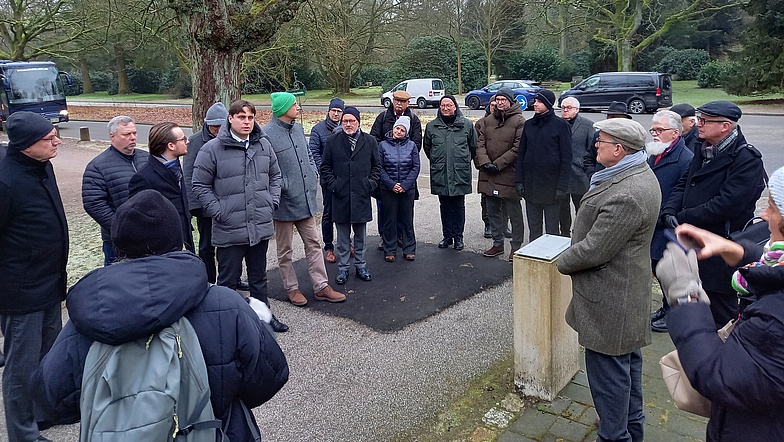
<point x="77" y="88"/>
<point x="651" y="57"/>
<point x="684" y="64"/>
<point x="540" y="64"/>
<point x="101" y="80"/>
<point x="713" y="74"/>
<point x="144" y="81"/>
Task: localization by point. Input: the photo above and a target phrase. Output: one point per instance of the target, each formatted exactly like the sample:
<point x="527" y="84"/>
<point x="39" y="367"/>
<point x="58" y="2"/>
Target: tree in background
<point x="496" y="25"/>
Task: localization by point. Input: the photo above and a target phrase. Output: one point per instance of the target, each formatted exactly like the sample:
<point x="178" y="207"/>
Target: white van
<point x="424" y="92"/>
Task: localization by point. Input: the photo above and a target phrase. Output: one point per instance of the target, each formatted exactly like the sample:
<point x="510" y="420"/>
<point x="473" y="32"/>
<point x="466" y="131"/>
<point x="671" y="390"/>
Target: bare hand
<point x="709" y="244"/>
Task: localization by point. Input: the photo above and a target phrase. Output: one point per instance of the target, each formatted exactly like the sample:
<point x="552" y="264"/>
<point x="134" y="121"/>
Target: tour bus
<point x="33" y="86"/>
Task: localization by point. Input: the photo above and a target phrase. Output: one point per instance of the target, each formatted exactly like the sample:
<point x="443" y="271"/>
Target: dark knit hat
<point x="506" y="93"/>
<point x="546" y="97"/>
<point x="684" y="110"/>
<point x="721" y="108"/>
<point x="282" y="102"/>
<point x="351" y="110"/>
<point x="216" y="115"/>
<point x="147" y="224"/>
<point x="26" y="128"/>
<point x="337" y="103"/>
<point x="451" y="97"/>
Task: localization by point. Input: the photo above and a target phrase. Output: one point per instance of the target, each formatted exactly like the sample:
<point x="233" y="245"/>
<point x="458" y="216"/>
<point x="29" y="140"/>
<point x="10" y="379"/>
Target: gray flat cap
<point x="628" y="132"/>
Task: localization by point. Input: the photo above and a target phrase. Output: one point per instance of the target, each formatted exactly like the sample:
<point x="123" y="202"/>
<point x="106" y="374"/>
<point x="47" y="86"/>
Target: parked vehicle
<point x="524" y="90"/>
<point x="33" y="86"/>
<point x="641" y="91"/>
<point x="424" y="92"/>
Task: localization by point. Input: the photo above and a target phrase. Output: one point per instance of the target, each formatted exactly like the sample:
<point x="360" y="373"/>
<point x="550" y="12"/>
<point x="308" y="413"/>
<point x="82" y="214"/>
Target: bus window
<point x="34" y="84"/>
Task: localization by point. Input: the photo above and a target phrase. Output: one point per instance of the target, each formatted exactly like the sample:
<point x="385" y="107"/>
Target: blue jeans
<point x="616" y="389"/>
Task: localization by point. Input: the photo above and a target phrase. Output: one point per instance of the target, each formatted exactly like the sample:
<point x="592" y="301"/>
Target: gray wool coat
<point x="582" y="140"/>
<point x="297" y="168"/>
<point x="609" y="262"/>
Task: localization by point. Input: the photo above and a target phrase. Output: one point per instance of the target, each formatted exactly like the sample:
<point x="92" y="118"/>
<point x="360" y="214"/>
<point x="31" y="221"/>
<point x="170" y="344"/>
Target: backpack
<point x="150" y="389"/>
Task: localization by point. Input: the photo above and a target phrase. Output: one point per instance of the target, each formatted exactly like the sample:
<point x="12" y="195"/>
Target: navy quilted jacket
<point x="133" y="299"/>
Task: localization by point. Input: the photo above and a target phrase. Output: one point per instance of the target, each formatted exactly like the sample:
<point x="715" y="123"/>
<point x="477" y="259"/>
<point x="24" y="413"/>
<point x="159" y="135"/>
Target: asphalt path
<point x="766" y="132"/>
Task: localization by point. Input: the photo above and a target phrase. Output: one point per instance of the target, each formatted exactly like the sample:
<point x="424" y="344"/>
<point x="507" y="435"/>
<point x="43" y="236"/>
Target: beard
<point x="655" y="147"/>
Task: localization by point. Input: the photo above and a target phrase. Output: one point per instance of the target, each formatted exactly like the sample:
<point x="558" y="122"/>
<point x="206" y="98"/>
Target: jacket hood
<point x="132" y="299"/>
<point x="206" y="135"/>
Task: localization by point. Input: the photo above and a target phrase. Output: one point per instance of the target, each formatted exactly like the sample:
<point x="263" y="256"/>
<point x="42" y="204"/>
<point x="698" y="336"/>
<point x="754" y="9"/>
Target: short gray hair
<point x="575" y="102"/>
<point x="115" y="122"/>
<point x="672" y="119"/>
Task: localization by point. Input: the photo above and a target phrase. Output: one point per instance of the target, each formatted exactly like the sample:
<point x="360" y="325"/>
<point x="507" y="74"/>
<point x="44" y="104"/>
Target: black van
<point x="641" y="91"/>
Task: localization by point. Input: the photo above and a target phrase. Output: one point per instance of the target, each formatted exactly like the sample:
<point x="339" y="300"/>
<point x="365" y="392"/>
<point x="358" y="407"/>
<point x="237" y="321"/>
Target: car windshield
<point x="34" y="84"/>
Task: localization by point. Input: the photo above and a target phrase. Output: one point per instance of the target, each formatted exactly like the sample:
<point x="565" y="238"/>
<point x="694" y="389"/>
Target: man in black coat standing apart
<point x="33" y="255"/>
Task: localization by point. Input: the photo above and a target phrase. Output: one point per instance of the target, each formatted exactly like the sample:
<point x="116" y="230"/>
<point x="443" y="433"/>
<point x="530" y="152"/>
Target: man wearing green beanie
<point x="282" y="102"/>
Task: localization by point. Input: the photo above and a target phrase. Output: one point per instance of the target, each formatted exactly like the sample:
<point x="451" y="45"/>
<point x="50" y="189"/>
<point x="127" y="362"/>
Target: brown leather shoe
<point x="330" y="257"/>
<point x="297" y="298"/>
<point x="328" y="294"/>
<point x="493" y="251"/>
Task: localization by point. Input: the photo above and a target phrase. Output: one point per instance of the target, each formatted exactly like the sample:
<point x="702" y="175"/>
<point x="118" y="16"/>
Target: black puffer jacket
<point x="105" y="184"/>
<point x="744" y="377"/>
<point x="132" y="299"/>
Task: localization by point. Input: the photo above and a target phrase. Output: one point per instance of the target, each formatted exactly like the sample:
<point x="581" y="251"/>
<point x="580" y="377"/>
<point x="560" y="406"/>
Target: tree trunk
<point x="215" y="76"/>
<point x="122" y="75"/>
<point x="624" y="55"/>
<point x="459" y="51"/>
<point x="87" y="83"/>
<point x="563" y="37"/>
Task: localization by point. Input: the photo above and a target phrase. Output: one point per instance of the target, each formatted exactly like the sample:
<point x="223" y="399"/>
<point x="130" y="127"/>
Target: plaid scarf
<point x="710" y="151"/>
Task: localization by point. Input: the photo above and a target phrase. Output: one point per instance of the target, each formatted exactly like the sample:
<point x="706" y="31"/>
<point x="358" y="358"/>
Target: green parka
<point x="450" y="149"/>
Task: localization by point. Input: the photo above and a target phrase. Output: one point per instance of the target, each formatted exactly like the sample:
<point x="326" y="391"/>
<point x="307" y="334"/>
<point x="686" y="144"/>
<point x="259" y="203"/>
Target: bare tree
<point x="494" y="21"/>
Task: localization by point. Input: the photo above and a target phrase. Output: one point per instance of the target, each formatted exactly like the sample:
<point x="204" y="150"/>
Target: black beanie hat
<point x="26" y="128"/>
<point x="337" y="103"/>
<point x="147" y="224"/>
<point x="451" y="97"/>
<point x="351" y="110"/>
<point x="507" y="93"/>
<point x="546" y="97"/>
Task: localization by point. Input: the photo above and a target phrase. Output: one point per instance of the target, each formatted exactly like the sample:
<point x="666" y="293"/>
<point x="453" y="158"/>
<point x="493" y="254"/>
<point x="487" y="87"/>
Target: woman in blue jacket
<point x="399" y="171"/>
<point x="744" y="377"/>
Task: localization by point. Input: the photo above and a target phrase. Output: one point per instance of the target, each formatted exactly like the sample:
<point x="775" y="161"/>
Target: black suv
<point x="641" y="91"/>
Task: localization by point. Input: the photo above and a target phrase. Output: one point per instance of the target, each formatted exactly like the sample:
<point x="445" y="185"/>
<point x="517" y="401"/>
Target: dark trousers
<point x="495" y="209"/>
<point x="399" y="224"/>
<point x="206" y="250"/>
<point x="616" y="389"/>
<point x="230" y="267"/>
<point x="327" y="230"/>
<point x="108" y="253"/>
<point x="398" y="210"/>
<point x="452" y="210"/>
<point x="535" y="212"/>
<point x="485" y="218"/>
<point x="28" y="338"/>
<point x="566" y="213"/>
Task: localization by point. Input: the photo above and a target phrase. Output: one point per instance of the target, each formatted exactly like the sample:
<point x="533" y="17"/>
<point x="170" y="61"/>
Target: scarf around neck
<point x="626" y="163"/>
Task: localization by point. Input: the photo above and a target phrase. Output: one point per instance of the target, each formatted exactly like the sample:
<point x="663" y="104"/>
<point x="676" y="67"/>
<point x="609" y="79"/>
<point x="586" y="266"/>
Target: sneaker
<point x="658" y="314"/>
<point x="328" y="294"/>
<point x="493" y="251"/>
<point x="330" y="257"/>
<point x="297" y="298"/>
<point x="342" y="277"/>
<point x="659" y="325"/>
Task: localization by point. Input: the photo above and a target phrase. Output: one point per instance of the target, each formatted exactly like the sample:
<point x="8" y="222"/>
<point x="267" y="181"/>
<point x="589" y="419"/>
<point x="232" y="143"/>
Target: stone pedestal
<point x="545" y="348"/>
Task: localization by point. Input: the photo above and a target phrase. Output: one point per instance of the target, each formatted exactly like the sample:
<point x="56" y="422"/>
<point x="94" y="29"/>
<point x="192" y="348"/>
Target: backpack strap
<point x="214" y="423"/>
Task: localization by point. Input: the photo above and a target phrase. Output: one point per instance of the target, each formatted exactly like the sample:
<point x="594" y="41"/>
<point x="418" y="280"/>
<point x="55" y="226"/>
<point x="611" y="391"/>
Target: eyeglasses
<point x="656" y="131"/>
<point x="567" y="108"/>
<point x="180" y="139"/>
<point x="608" y="142"/>
<point x="51" y="139"/>
<point x="702" y="121"/>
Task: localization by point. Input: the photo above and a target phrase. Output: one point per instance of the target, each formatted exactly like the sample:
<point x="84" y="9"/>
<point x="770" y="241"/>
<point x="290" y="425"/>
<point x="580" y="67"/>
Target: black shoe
<point x="459" y="244"/>
<point x="243" y="285"/>
<point x="658" y="314"/>
<point x="659" y="325"/>
<point x="363" y="274"/>
<point x="488" y="233"/>
<point x="446" y="242"/>
<point x="342" y="277"/>
<point x="507" y="233"/>
<point x="278" y="326"/>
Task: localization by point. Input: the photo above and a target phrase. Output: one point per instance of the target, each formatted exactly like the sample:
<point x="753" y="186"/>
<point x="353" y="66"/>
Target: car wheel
<point x="386" y="102"/>
<point x="473" y="102"/>
<point x="636" y="106"/>
<point x="523" y="101"/>
<point x="421" y="103"/>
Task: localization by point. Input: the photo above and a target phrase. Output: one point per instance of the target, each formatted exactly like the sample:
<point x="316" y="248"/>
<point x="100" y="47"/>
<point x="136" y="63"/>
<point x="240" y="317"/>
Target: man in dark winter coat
<point x="215" y="117"/>
<point x="152" y="287"/>
<point x="690" y="134"/>
<point x="582" y="139"/>
<point x="318" y="139"/>
<point x="669" y="158"/>
<point x="544" y="165"/>
<point x="719" y="193"/>
<point x="496" y="157"/>
<point x="237" y="180"/>
<point x="105" y="180"/>
<point x="350" y="172"/>
<point x="33" y="255"/>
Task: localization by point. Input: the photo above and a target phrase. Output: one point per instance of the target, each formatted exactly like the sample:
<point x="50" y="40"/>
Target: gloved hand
<point x="679" y="275"/>
<point x="670" y="221"/>
<point x="491" y="168"/>
<point x="520" y="189"/>
<point x="561" y="196"/>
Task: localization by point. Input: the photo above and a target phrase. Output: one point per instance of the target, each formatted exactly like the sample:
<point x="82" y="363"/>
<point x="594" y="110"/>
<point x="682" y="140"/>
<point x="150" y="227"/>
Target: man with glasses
<point x="669" y="158"/>
<point x="106" y="177"/>
<point x="582" y="140"/>
<point x="33" y="255"/>
<point x="718" y="193"/>
<point x="690" y="133"/>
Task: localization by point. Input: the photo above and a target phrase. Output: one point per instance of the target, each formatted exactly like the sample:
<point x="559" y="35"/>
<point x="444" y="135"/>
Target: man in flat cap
<point x="617" y="109"/>
<point x="609" y="265"/>
<point x="33" y="255"/>
<point x="718" y="193"/>
<point x="690" y="135"/>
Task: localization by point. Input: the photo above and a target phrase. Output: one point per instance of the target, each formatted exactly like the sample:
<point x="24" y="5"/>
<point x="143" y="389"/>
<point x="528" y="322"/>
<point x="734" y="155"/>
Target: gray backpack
<point x="151" y="389"/>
